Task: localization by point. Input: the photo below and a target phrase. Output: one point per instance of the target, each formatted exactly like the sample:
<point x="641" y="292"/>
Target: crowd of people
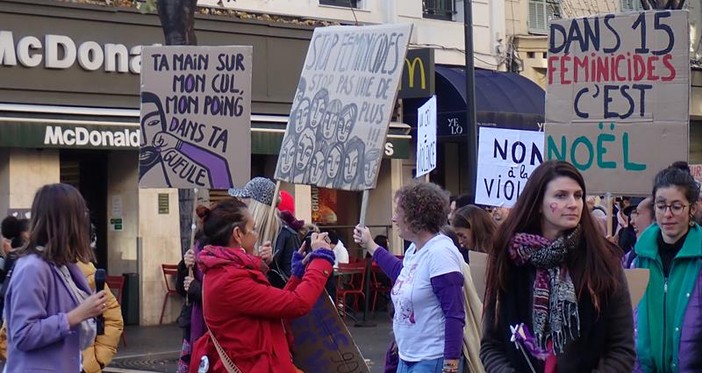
<point x="558" y="299"/>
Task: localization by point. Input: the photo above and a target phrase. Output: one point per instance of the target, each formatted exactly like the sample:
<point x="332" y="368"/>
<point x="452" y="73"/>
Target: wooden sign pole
<point x="267" y="234"/>
<point x="610" y="217"/>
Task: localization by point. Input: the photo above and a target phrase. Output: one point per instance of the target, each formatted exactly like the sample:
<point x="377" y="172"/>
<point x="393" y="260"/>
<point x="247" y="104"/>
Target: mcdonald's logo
<point x="411" y="65"/>
<point x="418" y="74"/>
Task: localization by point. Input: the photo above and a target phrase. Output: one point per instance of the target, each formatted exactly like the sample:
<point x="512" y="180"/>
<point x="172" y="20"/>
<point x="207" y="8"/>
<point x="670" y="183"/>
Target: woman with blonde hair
<point x="258" y="194"/>
<point x="49" y="307"/>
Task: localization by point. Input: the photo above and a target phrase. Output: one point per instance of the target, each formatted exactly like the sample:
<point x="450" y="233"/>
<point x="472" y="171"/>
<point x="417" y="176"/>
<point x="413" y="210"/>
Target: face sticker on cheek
<point x="553" y="206"/>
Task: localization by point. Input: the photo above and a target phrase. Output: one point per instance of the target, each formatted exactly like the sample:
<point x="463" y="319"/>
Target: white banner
<point x="426" y="137"/>
<point x="506" y="158"/>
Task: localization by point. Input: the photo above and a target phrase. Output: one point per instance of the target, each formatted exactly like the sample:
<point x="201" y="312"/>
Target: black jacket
<point x="606" y="342"/>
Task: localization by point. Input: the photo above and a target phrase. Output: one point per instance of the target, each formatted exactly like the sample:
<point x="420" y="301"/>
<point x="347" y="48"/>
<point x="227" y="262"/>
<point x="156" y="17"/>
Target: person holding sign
<point x="242" y="311"/>
<point x="428" y="285"/>
<point x="668" y="338"/>
<point x="558" y="292"/>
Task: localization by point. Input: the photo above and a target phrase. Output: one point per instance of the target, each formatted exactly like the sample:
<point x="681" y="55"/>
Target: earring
<point x="692" y="220"/>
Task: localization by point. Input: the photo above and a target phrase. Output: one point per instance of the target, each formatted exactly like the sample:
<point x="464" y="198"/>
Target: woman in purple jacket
<point x="428" y="285"/>
<point x="49" y="308"/>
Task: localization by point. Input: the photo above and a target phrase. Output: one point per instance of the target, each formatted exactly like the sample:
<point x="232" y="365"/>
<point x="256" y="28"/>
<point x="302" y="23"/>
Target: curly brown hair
<point x="426" y="206"/>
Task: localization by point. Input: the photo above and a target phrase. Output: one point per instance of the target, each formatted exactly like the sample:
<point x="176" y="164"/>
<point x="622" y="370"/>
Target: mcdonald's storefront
<point x="502" y="99"/>
<point x="69" y="112"/>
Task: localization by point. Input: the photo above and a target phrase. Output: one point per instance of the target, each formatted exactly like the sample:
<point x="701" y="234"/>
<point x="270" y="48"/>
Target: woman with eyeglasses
<point x="669" y="327"/>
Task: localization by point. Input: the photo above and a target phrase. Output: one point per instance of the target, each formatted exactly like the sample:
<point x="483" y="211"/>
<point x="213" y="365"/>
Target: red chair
<point x="377" y="287"/>
<point x="172" y="271"/>
<point x="354" y="288"/>
<point x="116" y="285"/>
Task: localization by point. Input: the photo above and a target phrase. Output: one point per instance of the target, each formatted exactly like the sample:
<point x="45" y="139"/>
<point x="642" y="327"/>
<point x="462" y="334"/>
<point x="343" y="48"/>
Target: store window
<point x="631" y="5"/>
<point x="541" y="12"/>
<point x="344" y="3"/>
<point x="439" y="9"/>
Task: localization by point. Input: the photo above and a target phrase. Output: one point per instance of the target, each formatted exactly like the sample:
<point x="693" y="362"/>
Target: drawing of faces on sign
<point x="318" y="106"/>
<point x="305" y="148"/>
<point x="347" y="120"/>
<point x="333" y="163"/>
<point x="301" y="116"/>
<point x="372" y="157"/>
<point x="300" y="91"/>
<point x="331" y="117"/>
<point x="287" y="155"/>
<point x="316" y="169"/>
<point x="353" y="159"/>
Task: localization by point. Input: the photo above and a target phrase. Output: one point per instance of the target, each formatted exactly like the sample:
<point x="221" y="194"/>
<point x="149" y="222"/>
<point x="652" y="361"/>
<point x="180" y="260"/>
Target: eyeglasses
<point x="676" y="208"/>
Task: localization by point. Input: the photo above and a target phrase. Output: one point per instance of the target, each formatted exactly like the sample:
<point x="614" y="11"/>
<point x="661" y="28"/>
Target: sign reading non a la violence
<point x="618" y="97"/>
<point x="343" y="106"/>
<point x="506" y="158"/>
<point x="426" y="137"/>
<point x="195" y="117"/>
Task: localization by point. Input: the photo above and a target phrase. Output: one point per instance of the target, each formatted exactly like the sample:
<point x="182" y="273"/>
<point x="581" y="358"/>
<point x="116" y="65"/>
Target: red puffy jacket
<point x="246" y="314"/>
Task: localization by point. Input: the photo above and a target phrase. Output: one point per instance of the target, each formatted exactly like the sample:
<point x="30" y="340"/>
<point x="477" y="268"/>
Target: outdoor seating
<point x="169" y="270"/>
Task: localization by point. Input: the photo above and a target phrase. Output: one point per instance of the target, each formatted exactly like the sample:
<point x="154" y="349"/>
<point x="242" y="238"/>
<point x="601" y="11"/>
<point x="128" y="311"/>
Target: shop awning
<point x="34" y="126"/>
<point x="502" y="99"/>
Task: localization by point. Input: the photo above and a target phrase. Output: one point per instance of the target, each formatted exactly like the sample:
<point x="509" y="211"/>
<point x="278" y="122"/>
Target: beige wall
<point x="22" y="172"/>
<point x="159" y="237"/>
<point x="122" y="195"/>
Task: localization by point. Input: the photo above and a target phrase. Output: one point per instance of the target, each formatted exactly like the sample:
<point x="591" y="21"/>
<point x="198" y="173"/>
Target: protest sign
<point x="323" y="343"/>
<point x="618" y="89"/>
<point x="637" y="281"/>
<point x="343" y="106"/>
<point x="195" y="117"/>
<point x="426" y="137"/>
<point x="506" y="158"/>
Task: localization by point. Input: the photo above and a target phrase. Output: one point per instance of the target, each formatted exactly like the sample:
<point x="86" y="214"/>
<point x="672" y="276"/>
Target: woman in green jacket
<point x="669" y="322"/>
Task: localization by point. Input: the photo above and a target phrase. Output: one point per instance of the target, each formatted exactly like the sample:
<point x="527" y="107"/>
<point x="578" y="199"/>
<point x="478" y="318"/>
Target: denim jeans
<point x="425" y="366"/>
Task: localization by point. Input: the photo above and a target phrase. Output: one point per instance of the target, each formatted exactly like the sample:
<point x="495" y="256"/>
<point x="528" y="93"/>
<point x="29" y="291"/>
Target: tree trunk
<point x="178" y="23"/>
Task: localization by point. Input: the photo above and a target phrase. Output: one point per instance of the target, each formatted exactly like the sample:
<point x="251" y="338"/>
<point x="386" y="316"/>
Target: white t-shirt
<point x="419" y="320"/>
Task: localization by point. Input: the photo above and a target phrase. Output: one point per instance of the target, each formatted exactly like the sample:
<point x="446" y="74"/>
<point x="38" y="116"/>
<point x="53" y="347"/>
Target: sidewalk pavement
<point x="156" y="348"/>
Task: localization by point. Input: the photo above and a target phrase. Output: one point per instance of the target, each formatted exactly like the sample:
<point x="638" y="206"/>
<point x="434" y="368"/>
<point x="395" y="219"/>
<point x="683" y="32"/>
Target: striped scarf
<point x="555" y="305"/>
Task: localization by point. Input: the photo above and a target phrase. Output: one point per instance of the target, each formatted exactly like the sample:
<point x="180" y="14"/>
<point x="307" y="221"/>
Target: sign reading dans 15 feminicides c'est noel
<point x="195" y="117"/>
<point x="343" y="106"/>
<point x="618" y="89"/>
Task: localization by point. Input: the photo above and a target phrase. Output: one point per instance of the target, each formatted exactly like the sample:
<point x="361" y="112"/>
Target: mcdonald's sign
<point x="418" y="74"/>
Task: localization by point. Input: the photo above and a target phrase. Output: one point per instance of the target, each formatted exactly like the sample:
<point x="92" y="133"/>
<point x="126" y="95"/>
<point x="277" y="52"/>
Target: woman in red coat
<point x="241" y="308"/>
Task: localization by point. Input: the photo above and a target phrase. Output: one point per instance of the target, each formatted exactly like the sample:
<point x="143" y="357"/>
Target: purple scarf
<point x="555" y="305"/>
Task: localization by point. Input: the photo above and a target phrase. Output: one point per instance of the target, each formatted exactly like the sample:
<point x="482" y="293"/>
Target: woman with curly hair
<point x="428" y="284"/>
<point x="557" y="289"/>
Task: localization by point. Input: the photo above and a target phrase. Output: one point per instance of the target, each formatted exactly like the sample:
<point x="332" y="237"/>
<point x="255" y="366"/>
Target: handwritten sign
<point x="195" y="117"/>
<point x="506" y="158"/>
<point x="426" y="137"/>
<point x="323" y="343"/>
<point x="618" y="90"/>
<point x="343" y="106"/>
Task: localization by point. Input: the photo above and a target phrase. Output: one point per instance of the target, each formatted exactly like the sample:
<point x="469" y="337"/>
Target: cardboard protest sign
<point x="637" y="280"/>
<point x="323" y="343"/>
<point x="426" y="137"/>
<point x="618" y="90"/>
<point x="195" y="117"/>
<point x="343" y="106"/>
<point x="506" y="158"/>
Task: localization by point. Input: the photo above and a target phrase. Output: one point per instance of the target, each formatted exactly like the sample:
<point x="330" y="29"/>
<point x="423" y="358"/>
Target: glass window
<point x="439" y="9"/>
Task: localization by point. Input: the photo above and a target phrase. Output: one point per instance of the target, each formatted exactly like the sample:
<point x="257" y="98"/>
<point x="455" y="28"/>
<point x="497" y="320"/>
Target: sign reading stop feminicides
<point x="426" y="137"/>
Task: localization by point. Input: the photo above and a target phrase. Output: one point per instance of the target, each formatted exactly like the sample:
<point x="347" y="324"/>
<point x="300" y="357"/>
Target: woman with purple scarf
<point x="558" y="300"/>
